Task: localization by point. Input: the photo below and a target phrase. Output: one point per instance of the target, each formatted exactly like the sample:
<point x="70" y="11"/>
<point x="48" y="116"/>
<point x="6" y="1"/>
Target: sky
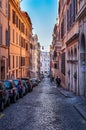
<point x="43" y="14"/>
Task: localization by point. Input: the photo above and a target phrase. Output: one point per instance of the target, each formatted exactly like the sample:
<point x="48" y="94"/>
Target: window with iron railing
<point x="71" y="13"/>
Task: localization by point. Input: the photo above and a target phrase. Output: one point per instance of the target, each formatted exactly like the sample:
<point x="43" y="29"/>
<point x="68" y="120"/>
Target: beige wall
<point x="16" y="49"/>
<point x="3" y="48"/>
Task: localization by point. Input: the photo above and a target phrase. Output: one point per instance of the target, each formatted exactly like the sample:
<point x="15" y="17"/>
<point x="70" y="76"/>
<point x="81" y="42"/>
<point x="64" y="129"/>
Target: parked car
<point x="11" y="88"/>
<point x="34" y="82"/>
<point x="20" y="87"/>
<point x="4" y="96"/>
<point x="25" y="85"/>
<point x="27" y="80"/>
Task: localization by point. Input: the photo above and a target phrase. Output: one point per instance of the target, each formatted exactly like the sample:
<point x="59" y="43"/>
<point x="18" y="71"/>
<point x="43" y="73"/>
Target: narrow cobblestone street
<point x="45" y="108"/>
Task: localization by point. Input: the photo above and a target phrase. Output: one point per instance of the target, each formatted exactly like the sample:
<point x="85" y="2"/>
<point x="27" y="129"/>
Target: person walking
<point x="58" y="81"/>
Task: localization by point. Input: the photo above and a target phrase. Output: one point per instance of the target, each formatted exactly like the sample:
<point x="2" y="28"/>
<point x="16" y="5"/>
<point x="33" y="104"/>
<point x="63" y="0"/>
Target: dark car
<point x="13" y="92"/>
<point x="4" y="96"/>
<point x="20" y="87"/>
<point x="27" y="80"/>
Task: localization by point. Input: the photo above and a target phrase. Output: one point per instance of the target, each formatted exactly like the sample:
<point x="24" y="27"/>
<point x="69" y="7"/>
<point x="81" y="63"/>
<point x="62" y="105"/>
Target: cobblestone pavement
<point x="43" y="109"/>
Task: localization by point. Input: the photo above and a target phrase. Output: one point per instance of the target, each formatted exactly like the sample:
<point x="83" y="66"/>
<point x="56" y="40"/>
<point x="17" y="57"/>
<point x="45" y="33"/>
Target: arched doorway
<point x="82" y="73"/>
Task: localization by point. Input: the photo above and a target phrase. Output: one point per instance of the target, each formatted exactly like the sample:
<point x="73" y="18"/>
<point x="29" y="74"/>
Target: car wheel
<point x="2" y="106"/>
<point x="21" y="95"/>
<point x="14" y="100"/>
<point x="18" y="96"/>
<point x="8" y="102"/>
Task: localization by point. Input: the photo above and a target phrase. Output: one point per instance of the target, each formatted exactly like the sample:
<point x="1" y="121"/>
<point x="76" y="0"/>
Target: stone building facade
<point x="68" y="37"/>
<point x="72" y="36"/>
<point x="3" y="39"/>
<point x="72" y="47"/>
<point x="56" y="51"/>
<point x="45" y="63"/>
<point x="35" y="57"/>
<point x="81" y="18"/>
<point x="20" y="29"/>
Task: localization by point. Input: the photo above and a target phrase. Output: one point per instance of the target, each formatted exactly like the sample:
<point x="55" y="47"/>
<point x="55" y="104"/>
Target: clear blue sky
<point x="43" y="14"/>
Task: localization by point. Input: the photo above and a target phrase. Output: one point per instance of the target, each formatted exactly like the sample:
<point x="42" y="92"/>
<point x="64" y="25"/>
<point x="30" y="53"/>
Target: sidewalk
<point x="79" y="102"/>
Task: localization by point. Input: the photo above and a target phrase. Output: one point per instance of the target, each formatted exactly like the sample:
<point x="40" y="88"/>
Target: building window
<point x="7" y="42"/>
<point x="16" y="73"/>
<point x="55" y="66"/>
<point x="71" y="13"/>
<point x="26" y="47"/>
<point x="19" y="61"/>
<point x="13" y="36"/>
<point x="0" y="34"/>
<point x="22" y="61"/>
<point x="13" y="16"/>
<point x="17" y="21"/>
<point x="63" y="63"/>
<point x="9" y="62"/>
<point x="9" y="12"/>
<point x="16" y="37"/>
<point x="62" y="29"/>
<point x="0" y="3"/>
<point x="6" y="8"/>
<point x="7" y="65"/>
<point x="13" y="62"/>
<point x="16" y="61"/>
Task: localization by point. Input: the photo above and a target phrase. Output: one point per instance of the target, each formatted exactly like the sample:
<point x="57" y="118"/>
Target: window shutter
<point x="0" y="34"/>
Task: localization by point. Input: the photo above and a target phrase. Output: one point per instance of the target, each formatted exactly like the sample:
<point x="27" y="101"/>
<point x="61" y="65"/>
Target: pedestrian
<point x="58" y="81"/>
<point x="52" y="79"/>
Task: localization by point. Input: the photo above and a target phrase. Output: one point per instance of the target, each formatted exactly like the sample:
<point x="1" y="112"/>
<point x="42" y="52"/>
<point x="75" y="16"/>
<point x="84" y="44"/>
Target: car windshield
<point x="7" y="84"/>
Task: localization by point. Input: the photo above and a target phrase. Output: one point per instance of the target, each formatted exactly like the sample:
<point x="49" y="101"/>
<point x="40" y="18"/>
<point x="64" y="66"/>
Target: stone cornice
<point x="75" y="36"/>
<point x="82" y="12"/>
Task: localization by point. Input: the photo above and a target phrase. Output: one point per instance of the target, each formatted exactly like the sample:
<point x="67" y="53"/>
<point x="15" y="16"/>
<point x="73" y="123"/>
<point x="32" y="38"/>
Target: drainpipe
<point x="78" y="63"/>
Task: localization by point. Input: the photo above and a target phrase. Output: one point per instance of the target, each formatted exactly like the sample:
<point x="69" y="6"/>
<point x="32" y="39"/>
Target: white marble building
<point x="45" y="63"/>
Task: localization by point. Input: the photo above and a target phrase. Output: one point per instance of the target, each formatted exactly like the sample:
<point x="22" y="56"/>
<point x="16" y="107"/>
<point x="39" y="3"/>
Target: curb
<point x="66" y="94"/>
<point x="76" y="106"/>
<point x="80" y="110"/>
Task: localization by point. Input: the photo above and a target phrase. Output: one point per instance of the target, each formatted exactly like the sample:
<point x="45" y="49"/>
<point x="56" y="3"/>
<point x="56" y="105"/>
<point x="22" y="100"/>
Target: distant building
<point x="35" y="57"/>
<point x="45" y="63"/>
